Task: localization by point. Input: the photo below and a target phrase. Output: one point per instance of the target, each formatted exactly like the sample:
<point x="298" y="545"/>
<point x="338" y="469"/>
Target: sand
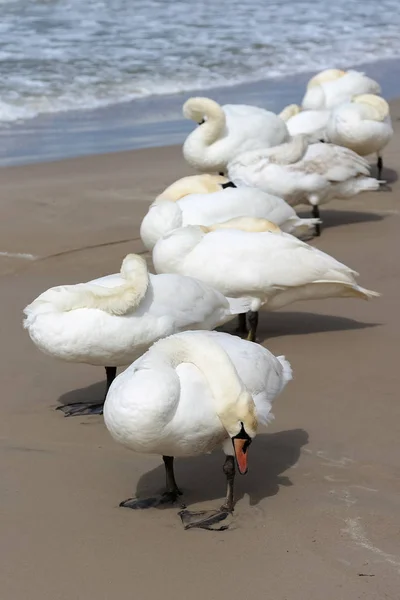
<point x="318" y="513"/>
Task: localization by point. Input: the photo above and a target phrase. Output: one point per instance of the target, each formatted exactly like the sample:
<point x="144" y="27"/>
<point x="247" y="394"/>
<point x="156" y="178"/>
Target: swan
<point x="218" y="207"/>
<point x="333" y="87"/>
<point x="112" y="320"/>
<point x="304" y="174"/>
<point x="311" y="123"/>
<point x="227" y="130"/>
<point x="194" y="184"/>
<point x="363" y="125"/>
<point x="189" y="394"/>
<point x="269" y="268"/>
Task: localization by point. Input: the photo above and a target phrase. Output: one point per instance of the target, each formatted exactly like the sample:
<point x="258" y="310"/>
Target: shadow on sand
<point x="201" y="477"/>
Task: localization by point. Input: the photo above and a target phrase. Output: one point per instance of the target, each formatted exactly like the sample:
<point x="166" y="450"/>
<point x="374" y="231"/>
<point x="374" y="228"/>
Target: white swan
<point x="363" y="125"/>
<point x="304" y="174"/>
<point x="272" y="269"/>
<point x="227" y="130"/>
<point x="189" y="394"/>
<point x="311" y="123"/>
<point x="218" y="207"/>
<point x="333" y="87"/>
<point x="194" y="184"/>
<point x="111" y="321"/>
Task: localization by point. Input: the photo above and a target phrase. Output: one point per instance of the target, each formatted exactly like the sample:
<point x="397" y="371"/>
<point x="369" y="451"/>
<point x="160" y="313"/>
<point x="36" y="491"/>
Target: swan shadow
<point x="202" y="480"/>
<point x="91" y="394"/>
<point x="336" y="218"/>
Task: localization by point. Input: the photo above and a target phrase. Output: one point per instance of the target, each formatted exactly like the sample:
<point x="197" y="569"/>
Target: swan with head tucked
<point x="225" y="131"/>
<point x="189" y="394"/>
<point x="304" y="174"/>
<point x="111" y="321"/>
<point x="310" y="123"/>
<point x="218" y="207"/>
<point x="333" y="87"/>
<point x="363" y="125"/>
<point x="194" y="184"/>
<point x="272" y="269"/>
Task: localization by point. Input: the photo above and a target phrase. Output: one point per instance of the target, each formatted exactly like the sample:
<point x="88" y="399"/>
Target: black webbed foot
<point x="204" y="519"/>
<point x="167" y="498"/>
<point x="81" y="408"/>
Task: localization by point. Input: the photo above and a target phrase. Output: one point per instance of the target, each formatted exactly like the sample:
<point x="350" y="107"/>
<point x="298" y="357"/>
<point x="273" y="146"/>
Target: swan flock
<point x="225" y="243"/>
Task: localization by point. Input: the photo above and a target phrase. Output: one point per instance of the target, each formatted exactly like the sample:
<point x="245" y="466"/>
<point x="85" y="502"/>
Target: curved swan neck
<point x="214" y="363"/>
<point x="211" y="129"/>
<point x="163" y="216"/>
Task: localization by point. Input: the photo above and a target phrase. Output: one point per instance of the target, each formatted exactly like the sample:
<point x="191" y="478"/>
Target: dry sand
<point x="318" y="513"/>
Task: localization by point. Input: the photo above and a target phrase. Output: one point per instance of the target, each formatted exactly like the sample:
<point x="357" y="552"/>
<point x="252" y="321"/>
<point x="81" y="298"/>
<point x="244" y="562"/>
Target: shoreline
<point x="153" y="121"/>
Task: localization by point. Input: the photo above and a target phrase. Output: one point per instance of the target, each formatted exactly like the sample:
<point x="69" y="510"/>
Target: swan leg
<point x="379" y="166"/>
<point x="207" y="519"/>
<point x="242" y="325"/>
<point x="315" y="214"/>
<point x="83" y="408"/>
<point x="253" y="322"/>
<point x="170" y="495"/>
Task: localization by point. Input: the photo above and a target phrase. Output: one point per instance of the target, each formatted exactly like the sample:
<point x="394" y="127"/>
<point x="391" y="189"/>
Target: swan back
<point x="252" y="224"/>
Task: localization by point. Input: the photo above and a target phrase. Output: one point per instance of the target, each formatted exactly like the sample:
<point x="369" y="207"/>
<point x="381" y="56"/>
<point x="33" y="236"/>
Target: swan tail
<point x="238" y="306"/>
<point x="345" y="290"/>
<point x="287" y="372"/>
<point x="298" y="227"/>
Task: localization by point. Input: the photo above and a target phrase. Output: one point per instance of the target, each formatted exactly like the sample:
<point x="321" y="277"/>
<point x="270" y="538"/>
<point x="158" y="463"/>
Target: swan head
<point x="205" y="183"/>
<point x="197" y="108"/>
<point x="240" y="421"/>
<point x="377" y="103"/>
<point x="289" y="111"/>
<point x="325" y="76"/>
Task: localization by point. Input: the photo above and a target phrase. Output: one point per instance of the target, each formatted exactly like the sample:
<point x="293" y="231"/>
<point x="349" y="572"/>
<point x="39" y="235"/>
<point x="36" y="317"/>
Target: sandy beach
<point x="318" y="513"/>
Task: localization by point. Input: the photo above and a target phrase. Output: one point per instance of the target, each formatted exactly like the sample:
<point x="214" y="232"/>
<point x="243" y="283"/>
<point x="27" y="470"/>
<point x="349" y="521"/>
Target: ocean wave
<point x="59" y="57"/>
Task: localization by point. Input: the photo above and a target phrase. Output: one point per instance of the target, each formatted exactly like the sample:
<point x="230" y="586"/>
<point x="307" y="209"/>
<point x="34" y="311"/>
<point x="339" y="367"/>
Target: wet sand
<point x="318" y="513"/>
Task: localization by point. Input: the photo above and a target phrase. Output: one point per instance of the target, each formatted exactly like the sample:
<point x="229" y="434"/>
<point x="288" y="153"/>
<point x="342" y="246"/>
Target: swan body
<point x="363" y="125"/>
<point x="272" y="269"/>
<point x="183" y="396"/>
<point x="112" y="320"/>
<point x="304" y="174"/>
<point x="218" y="207"/>
<point x="193" y="184"/>
<point x="333" y="87"/>
<point x="226" y="131"/>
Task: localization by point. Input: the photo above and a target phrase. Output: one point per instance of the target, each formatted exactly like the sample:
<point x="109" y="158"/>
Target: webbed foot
<point x="81" y="408"/>
<point x="204" y="519"/>
<point x="154" y="502"/>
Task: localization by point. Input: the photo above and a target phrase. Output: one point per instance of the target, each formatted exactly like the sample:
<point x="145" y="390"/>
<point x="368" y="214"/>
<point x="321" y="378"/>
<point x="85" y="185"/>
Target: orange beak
<point x="240" y="447"/>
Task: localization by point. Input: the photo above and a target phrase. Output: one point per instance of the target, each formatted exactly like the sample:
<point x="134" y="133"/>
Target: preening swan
<point x="111" y="321"/>
<point x="363" y="125"/>
<point x="194" y="184"/>
<point x="218" y="207"/>
<point x="304" y="174"/>
<point x="269" y="268"/>
<point x="190" y="394"/>
<point x="226" y="131"/>
<point x="311" y="123"/>
<point x="333" y="87"/>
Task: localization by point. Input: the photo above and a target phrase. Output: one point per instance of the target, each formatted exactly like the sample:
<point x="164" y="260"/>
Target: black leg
<point x="379" y="166"/>
<point x="83" y="408"/>
<point x="253" y="322"/>
<point x="170" y="496"/>
<point x="315" y="214"/>
<point x="207" y="519"/>
<point x="230" y="471"/>
<point x="242" y="324"/>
